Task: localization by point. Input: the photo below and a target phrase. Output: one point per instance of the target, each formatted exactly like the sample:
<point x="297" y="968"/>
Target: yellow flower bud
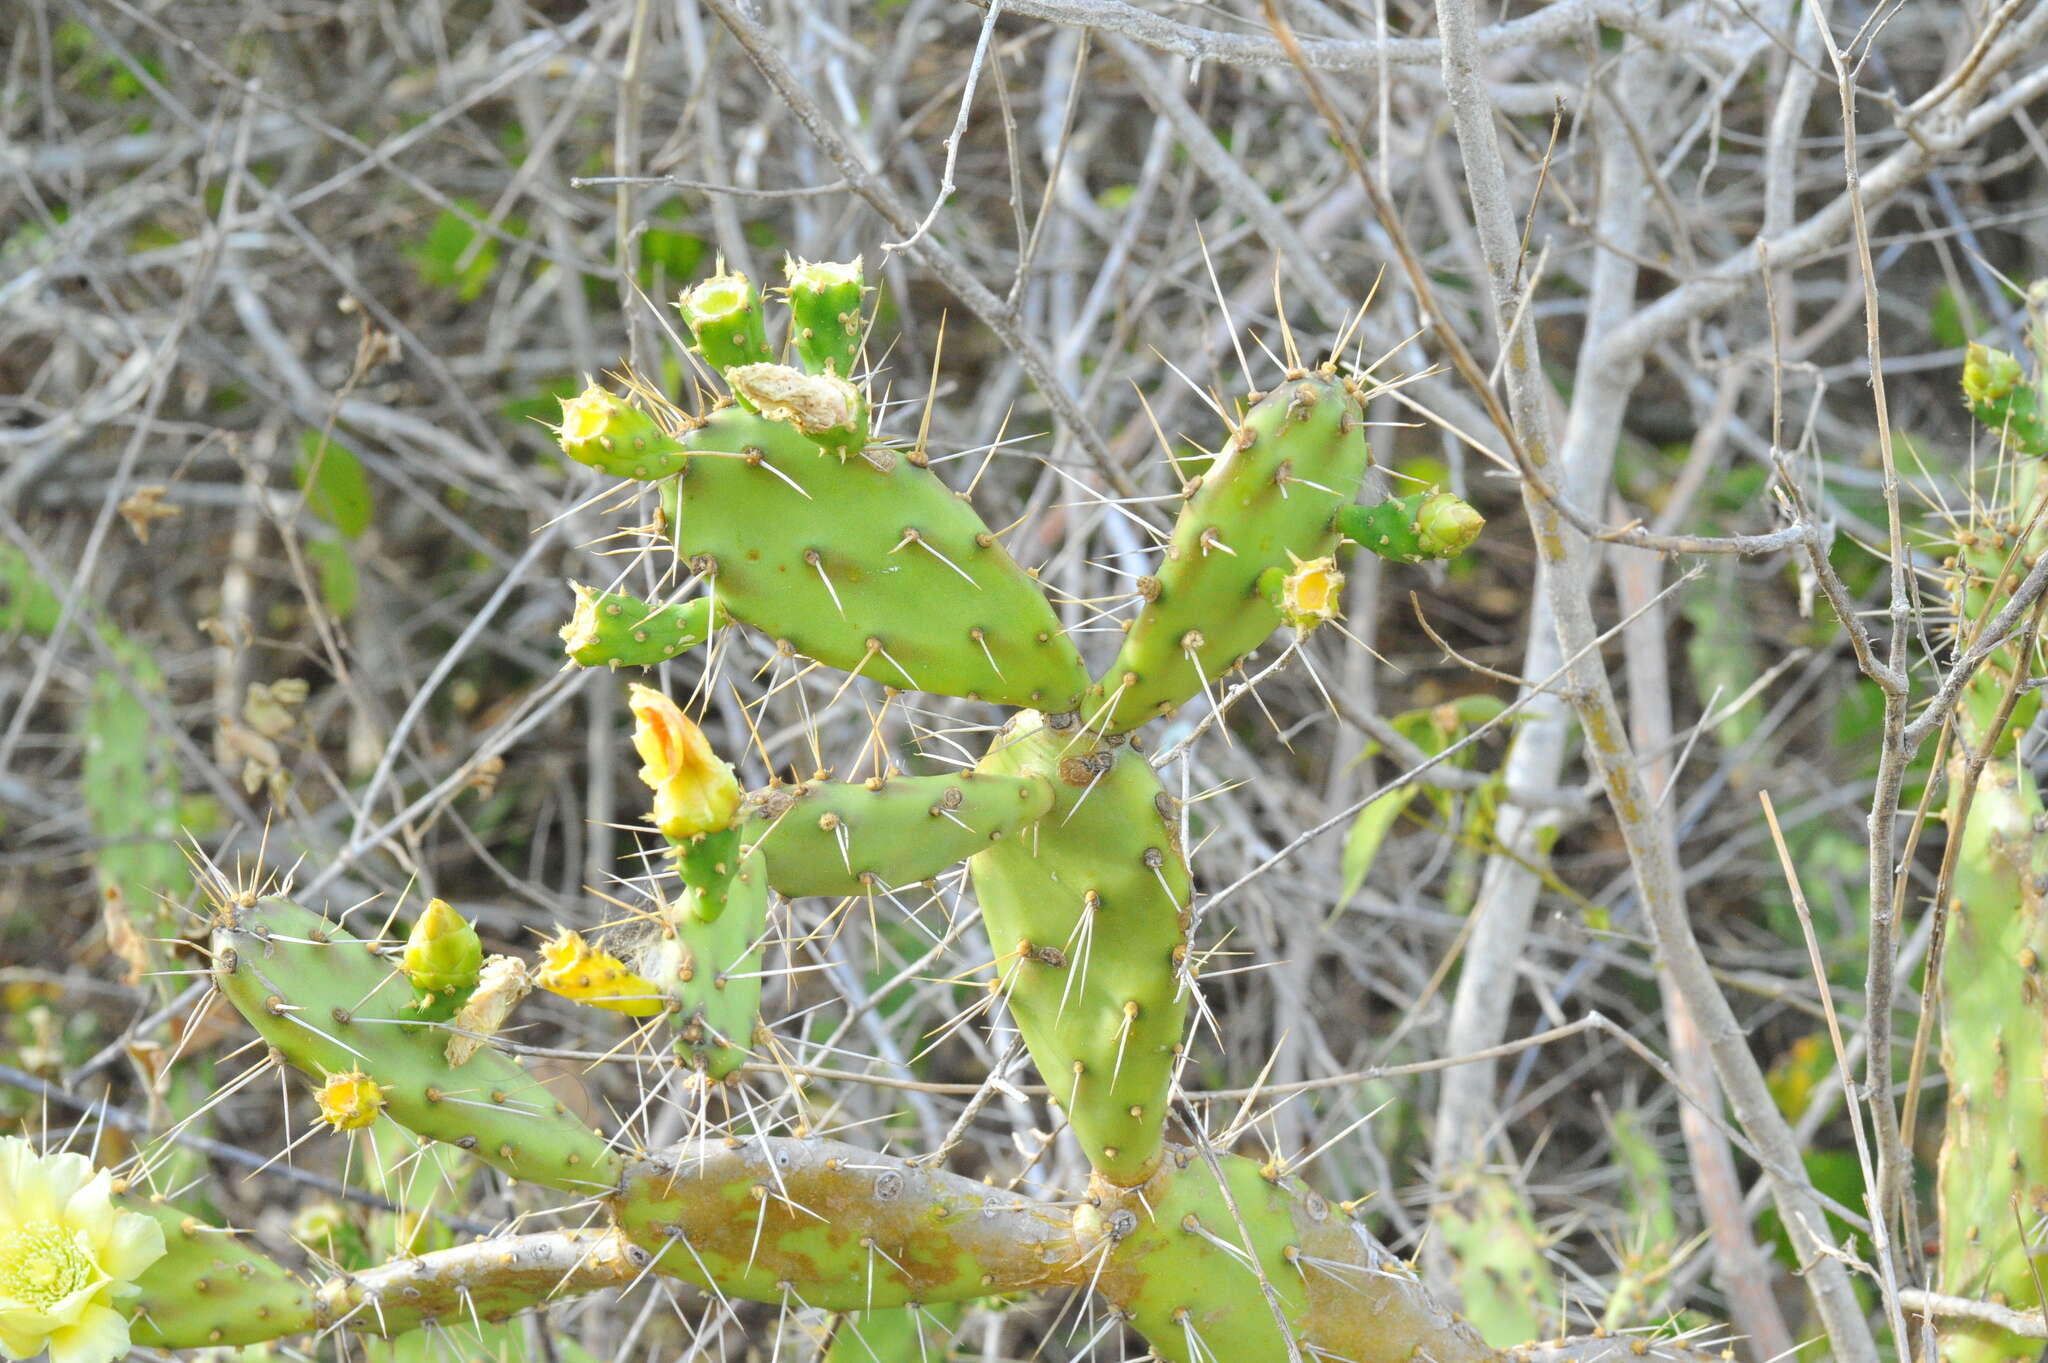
<point x="351" y="1101"/>
<point x="580" y="973"/>
<point x="1989" y="375"/>
<point x="694" y="792"/>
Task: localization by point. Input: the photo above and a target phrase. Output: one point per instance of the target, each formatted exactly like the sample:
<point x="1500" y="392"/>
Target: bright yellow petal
<point x="100" y="1336"/>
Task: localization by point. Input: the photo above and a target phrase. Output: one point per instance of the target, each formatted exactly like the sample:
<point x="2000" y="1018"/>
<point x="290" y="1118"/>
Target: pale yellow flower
<point x="67" y="1253"/>
<point x="586" y="416"/>
<point x="694" y="792"/>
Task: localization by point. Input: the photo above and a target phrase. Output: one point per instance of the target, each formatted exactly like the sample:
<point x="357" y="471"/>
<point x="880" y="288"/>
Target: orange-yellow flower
<point x="1312" y="593"/>
<point x="694" y="792"/>
<point x="351" y="1101"/>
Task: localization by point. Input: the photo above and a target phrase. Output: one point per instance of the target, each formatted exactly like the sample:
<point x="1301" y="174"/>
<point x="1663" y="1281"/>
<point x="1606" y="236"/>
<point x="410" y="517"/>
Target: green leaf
<point x="455" y="255"/>
<point x="337" y="489"/>
<point x="1367" y="832"/>
<point x="339" y="583"/>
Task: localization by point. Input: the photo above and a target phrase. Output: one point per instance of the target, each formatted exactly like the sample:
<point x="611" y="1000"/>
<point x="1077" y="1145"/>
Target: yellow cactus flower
<point x="694" y="792"/>
<point x="586" y="416"/>
<point x="1312" y="593"/>
<point x="351" y="1101"/>
<point x="67" y="1254"/>
<point x="581" y="973"/>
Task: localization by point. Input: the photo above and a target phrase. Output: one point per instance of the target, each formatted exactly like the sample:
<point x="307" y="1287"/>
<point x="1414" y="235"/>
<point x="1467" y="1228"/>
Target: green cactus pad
<point x="614" y="629"/>
<point x="835" y="1227"/>
<point x="1413" y="529"/>
<point x="211" y="1287"/>
<point x="1509" y="1289"/>
<point x="707" y="958"/>
<point x="824" y="313"/>
<point x="1273" y="491"/>
<point x="869" y="564"/>
<point x="844" y="838"/>
<point x="330" y="1004"/>
<point x="1994" y="1046"/>
<point x="1089" y="919"/>
<point x="1173" y="1255"/>
<point x="726" y="320"/>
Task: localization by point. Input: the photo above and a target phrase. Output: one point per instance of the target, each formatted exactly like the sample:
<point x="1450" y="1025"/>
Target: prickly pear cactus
<point x="789" y="514"/>
<point x="1994" y="1014"/>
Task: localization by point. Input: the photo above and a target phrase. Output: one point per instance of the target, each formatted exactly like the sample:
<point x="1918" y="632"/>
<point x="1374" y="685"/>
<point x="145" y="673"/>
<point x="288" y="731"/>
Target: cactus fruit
<point x="1509" y="1291"/>
<point x="1413" y="529"/>
<point x="870" y="564"/>
<point x="845" y="838"/>
<point x="726" y="320"/>
<point x="1271" y="497"/>
<point x="1089" y="912"/>
<point x="617" y="437"/>
<point x="824" y="313"/>
<point x="212" y="1288"/>
<point x="330" y="1005"/>
<point x="613" y="629"/>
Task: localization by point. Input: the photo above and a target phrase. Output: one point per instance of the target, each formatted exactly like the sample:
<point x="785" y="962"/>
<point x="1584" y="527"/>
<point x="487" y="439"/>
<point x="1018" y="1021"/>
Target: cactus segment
<point x="1089" y="918"/>
<point x="726" y="320"/>
<point x="211" y="1288"/>
<point x="1994" y="1046"/>
<point x="843" y="838"/>
<point x="1173" y="1255"/>
<point x="1509" y="1291"/>
<point x="705" y="961"/>
<point x="1270" y="497"/>
<point x="613" y="629"/>
<point x="835" y="1227"/>
<point x="824" y="407"/>
<point x="871" y="565"/>
<point x="486" y="1280"/>
<point x="1413" y="529"/>
<point x="616" y="437"/>
<point x="824" y="313"/>
<point x="331" y="1005"/>
<point x="908" y="1334"/>
<point x="443" y="959"/>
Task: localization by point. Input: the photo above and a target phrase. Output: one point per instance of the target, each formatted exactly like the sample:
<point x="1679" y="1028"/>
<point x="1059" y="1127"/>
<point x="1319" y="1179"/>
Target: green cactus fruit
<point x="212" y="1288"/>
<point x="845" y="838"/>
<point x="829" y="410"/>
<point x="870" y="564"/>
<point x="1089" y="918"/>
<point x="1509" y="1290"/>
<point x="824" y="313"/>
<point x="617" y="437"/>
<point x="1994" y="1047"/>
<point x="1996" y="391"/>
<point x="1184" y="1263"/>
<point x="1413" y="529"/>
<point x="331" y="1005"/>
<point x="613" y="629"/>
<point x="443" y="958"/>
<point x="1270" y="497"/>
<point x="726" y="320"/>
<point x="834" y="1226"/>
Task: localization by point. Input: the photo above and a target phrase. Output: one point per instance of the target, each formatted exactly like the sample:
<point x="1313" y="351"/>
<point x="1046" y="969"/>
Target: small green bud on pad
<point x="616" y="437"/>
<point x="725" y="319"/>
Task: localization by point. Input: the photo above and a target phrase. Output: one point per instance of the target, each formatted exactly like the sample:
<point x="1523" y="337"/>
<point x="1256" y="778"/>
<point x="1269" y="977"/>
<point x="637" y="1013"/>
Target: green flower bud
<point x="444" y="954"/>
<point x="1989" y="375"/>
<point x="1445" y="524"/>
